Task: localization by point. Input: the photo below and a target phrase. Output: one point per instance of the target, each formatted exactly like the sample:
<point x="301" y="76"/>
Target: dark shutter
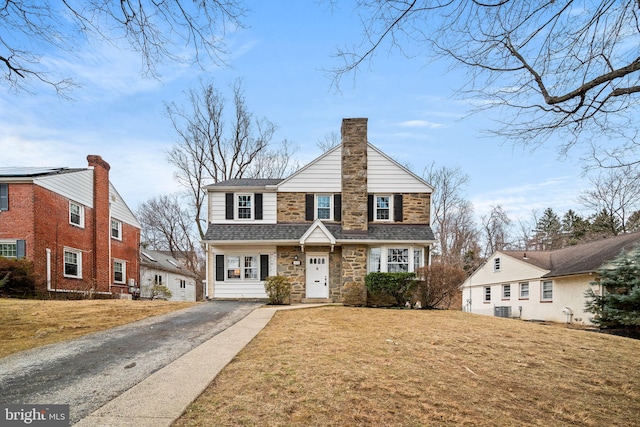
<point x="264" y="266"/>
<point x="308" y="207"/>
<point x="4" y="197"/>
<point x="257" y="214"/>
<point x="228" y="200"/>
<point x="337" y="207"/>
<point x="219" y="268"/>
<point x="397" y="207"/>
<point x="370" y="207"/>
<point x="21" y="249"/>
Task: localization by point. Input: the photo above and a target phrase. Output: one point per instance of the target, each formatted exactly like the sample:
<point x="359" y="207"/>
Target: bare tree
<point x="167" y="226"/>
<point x="496" y="230"/>
<point x="215" y="145"/>
<point x="550" y="65"/>
<point x="616" y="192"/>
<point x="157" y="30"/>
<point x="438" y="284"/>
<point x="452" y="214"/>
<point x="330" y="141"/>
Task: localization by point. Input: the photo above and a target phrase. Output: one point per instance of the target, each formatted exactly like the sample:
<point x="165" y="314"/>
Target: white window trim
<point x="384" y="257"/>
<point x="13" y="243"/>
<point x="504" y="288"/>
<point x="317" y="207"/>
<point x="81" y="214"/>
<point x="375" y="207"/>
<point x="124" y="271"/>
<point x="542" y="283"/>
<point x="237" y="206"/>
<point x="119" y="236"/>
<point x="79" y="260"/>
<point x="520" y="290"/>
<point x="242" y="267"/>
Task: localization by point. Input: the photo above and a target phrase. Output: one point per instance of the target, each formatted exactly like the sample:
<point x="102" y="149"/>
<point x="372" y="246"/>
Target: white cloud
<point x="420" y="124"/>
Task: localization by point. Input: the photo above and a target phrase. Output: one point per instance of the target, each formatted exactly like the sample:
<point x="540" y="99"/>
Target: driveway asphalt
<point x="90" y="371"/>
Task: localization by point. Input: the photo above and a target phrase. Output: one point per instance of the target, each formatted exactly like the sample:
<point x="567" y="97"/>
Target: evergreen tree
<point x="605" y="224"/>
<point x="548" y="231"/>
<point x="574" y="227"/>
<point x="618" y="304"/>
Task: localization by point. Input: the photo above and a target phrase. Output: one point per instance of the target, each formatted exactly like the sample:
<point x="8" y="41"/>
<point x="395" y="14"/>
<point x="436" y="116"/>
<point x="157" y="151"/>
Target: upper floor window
<point x="547" y="290"/>
<point x="76" y="214"/>
<point x="383" y="208"/>
<point x="245" y="206"/>
<point x="116" y="229"/>
<point x="4" y="197"/>
<point x="119" y="271"/>
<point x="323" y="206"/>
<point x="496" y="264"/>
<point x="183" y="284"/>
<point x="72" y="263"/>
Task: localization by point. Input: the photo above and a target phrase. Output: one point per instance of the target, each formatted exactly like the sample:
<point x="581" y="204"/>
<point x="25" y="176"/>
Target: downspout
<point x="206" y="268"/>
<point x="49" y="269"/>
<point x="109" y="240"/>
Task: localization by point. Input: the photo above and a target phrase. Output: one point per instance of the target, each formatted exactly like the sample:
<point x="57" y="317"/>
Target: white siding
<point x="386" y="176"/>
<point x="119" y="209"/>
<point x="76" y="186"/>
<point x="217" y="209"/>
<point x="171" y="281"/>
<point x="323" y="175"/>
<point x="239" y="288"/>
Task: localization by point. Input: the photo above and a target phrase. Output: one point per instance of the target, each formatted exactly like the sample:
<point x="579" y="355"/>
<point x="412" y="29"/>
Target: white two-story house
<point x="351" y="211"/>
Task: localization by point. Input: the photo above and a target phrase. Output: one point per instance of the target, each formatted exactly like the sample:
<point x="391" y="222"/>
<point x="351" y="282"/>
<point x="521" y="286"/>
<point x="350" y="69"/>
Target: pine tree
<point x="618" y="305"/>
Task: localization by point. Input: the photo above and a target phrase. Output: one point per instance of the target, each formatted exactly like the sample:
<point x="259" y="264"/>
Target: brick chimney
<point x="354" y="175"/>
<point x="101" y="273"/>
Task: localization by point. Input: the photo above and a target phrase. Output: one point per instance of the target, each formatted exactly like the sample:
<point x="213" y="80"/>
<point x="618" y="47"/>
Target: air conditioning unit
<point x="502" y="311"/>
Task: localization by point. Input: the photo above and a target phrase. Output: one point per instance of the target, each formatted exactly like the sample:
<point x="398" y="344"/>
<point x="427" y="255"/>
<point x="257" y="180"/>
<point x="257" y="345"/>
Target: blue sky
<point x="281" y="57"/>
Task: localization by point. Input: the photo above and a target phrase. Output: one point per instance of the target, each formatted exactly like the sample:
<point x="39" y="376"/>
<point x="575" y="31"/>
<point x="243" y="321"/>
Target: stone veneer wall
<point x="291" y="207"/>
<point x="354" y="174"/>
<point x="296" y="273"/>
<point x="354" y="265"/>
<point x="416" y="208"/>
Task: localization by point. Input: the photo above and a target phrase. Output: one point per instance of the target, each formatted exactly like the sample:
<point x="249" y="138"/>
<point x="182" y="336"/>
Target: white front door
<point x="317" y="276"/>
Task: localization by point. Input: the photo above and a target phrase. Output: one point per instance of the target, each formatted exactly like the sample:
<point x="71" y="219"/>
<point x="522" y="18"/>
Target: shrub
<point x="437" y="284"/>
<point x="278" y="289"/>
<point x="353" y="295"/>
<point x="396" y="287"/>
<point x="160" y="292"/>
<point x="17" y="277"/>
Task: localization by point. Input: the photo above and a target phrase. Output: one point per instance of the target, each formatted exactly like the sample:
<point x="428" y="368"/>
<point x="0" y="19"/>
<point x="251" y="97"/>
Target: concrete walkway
<point x="161" y="398"/>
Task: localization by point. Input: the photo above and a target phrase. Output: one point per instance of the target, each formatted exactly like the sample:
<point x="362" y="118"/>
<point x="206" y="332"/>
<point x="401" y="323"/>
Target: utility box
<point x="502" y="311"/>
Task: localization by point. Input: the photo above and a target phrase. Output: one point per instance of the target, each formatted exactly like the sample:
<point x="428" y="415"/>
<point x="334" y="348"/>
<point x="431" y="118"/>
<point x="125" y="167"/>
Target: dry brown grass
<point x="31" y="323"/>
<point x="338" y="366"/>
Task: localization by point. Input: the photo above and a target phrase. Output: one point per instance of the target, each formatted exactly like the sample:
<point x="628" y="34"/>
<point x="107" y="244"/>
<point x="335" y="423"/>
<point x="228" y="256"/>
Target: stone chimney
<point x="101" y="273"/>
<point x="354" y="175"/>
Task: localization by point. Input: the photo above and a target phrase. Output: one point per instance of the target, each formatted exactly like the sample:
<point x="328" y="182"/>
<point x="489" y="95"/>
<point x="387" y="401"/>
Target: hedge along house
<point x="351" y="211"/>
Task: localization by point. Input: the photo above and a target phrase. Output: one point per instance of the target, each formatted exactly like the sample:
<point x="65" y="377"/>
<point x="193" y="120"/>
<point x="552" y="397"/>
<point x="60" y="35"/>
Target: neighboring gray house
<point x="158" y="268"/>
<point x="541" y="285"/>
<point x="351" y="211"/>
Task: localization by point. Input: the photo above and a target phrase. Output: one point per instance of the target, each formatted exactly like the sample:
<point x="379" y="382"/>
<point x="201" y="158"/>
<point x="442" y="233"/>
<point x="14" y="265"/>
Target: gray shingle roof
<point x="160" y="260"/>
<point x="583" y="258"/>
<point x="246" y="182"/>
<point x="15" y="171"/>
<point x="293" y="232"/>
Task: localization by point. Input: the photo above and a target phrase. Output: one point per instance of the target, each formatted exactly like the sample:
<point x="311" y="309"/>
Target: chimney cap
<point x="96" y="160"/>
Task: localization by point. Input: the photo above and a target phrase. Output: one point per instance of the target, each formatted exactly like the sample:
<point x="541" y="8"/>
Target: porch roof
<point x="292" y="233"/>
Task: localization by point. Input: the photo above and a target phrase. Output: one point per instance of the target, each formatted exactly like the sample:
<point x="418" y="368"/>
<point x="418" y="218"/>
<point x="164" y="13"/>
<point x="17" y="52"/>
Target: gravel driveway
<point x="89" y="371"/>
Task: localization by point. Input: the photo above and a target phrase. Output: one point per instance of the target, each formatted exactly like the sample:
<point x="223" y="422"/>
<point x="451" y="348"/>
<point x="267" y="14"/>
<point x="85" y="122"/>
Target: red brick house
<point x="73" y="225"/>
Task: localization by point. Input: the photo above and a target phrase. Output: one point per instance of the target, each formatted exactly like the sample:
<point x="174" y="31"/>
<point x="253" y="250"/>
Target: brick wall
<point x="102" y="223"/>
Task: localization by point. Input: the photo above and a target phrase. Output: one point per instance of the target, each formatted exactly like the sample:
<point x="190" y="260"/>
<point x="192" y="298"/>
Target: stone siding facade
<point x="354" y="175"/>
<point x="291" y="207"/>
<point x="354" y="265"/>
<point x="297" y="273"/>
<point x="416" y="208"/>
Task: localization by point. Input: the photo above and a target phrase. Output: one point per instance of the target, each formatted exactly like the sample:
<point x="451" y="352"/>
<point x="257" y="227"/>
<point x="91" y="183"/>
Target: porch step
<point x="315" y="300"/>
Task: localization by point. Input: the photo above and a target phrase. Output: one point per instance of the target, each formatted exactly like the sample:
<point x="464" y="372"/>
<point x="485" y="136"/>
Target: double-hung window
<point x="119" y="271"/>
<point x="323" y="203"/>
<point x="183" y="284"/>
<point x="72" y="263"/>
<point x="4" y="197"/>
<point x="9" y="249"/>
<point x="506" y="291"/>
<point x="242" y="267"/>
<point x="487" y="294"/>
<point x="383" y="208"/>
<point x="395" y="260"/>
<point x="524" y="290"/>
<point x="245" y="206"/>
<point x="76" y="214"/>
<point x="116" y="229"/>
<point x="547" y="290"/>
